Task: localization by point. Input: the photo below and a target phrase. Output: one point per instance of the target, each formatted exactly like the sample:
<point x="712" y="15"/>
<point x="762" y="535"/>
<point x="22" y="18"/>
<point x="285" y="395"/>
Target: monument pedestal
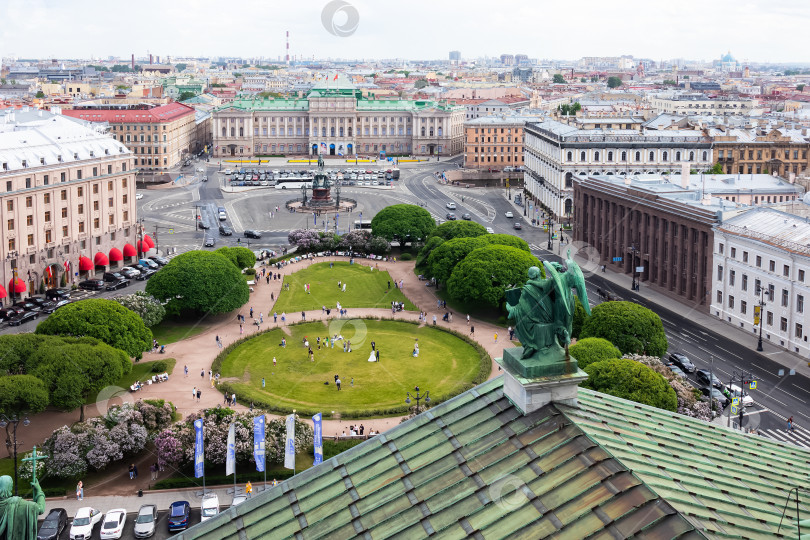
<point x="533" y="383"/>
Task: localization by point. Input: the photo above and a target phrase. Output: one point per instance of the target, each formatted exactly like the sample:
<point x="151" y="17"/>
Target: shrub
<point x="590" y="350"/>
<point x="631" y="380"/>
<point x="406" y="257"/>
<point x="159" y="367"/>
<point x="630" y="327"/>
<point x="250" y="271"/>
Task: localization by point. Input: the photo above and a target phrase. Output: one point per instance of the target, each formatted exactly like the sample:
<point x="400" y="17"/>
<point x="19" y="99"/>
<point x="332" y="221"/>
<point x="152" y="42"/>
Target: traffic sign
<point x="735" y="402"/>
<point x="734" y="410"/>
<point x="617" y="259"/>
<point x="753" y="385"/>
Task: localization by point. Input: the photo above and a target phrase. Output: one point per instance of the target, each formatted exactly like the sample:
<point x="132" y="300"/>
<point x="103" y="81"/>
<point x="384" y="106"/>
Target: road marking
<point x="791" y="395"/>
<point x="800" y="388"/>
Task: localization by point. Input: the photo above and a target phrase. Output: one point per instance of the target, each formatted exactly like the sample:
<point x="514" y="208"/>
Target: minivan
<point x="146" y="263"/>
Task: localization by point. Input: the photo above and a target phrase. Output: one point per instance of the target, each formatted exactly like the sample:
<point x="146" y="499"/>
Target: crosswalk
<point x="797" y="436"/>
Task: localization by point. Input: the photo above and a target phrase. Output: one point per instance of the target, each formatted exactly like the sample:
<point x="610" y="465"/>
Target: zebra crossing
<point x="797" y="436"/>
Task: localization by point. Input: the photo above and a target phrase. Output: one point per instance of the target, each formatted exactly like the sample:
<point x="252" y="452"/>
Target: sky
<point x="754" y="31"/>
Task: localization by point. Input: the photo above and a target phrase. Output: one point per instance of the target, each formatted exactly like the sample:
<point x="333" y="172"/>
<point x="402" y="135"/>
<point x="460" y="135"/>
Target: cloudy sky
<point x="754" y="31"/>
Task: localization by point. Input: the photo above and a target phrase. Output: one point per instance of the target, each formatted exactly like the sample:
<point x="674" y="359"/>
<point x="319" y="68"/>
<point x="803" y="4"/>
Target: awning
<point x="3" y="292"/>
<point x="142" y="247"/>
<point x="85" y="264"/>
<point x="115" y="255"/>
<point x="17" y="285"/>
<point x="101" y="259"/>
<point x="148" y="241"/>
<point x="129" y="250"/>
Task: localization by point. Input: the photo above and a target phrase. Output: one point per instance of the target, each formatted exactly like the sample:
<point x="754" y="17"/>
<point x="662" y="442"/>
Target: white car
<point x="82" y="526"/>
<point x="228" y="171"/>
<point x="451" y="206"/>
<point x="210" y="507"/>
<point x="509" y="215"/>
<point x="490" y="230"/>
<point x="113" y="525"/>
<point x="736" y="391"/>
<point x="139" y="196"/>
<point x="200" y="169"/>
<point x="239" y="499"/>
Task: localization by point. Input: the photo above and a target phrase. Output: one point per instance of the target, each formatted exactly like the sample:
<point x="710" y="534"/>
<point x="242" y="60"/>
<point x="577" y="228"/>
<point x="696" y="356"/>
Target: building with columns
<point x="556" y="153"/>
<point x="337" y="121"/>
<point x="67" y="201"/>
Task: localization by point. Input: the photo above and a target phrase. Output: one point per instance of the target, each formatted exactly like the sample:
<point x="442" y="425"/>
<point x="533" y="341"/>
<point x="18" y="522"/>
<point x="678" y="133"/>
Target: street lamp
<point x="550" y="232"/>
<point x="5" y="422"/>
<point x="417" y="397"/>
<point x="761" y="307"/>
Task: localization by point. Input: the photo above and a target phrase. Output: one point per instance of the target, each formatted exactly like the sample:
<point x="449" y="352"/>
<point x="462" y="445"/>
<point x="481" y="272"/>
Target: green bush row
<point x="250" y="271"/>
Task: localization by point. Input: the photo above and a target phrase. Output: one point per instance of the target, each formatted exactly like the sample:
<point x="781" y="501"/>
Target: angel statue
<point x="544" y="309"/>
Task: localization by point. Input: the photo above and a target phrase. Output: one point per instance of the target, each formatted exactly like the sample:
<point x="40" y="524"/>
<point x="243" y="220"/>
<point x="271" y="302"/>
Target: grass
<point x="170" y="331"/>
<point x="365" y="288"/>
<point x="446" y="365"/>
<point x="51" y="485"/>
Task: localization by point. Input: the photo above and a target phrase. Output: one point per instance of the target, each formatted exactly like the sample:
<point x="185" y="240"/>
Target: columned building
<point x="556" y="154"/>
<point x="67" y="204"/>
<point x="779" y="151"/>
<point x="337" y="122"/>
<point x="762" y="256"/>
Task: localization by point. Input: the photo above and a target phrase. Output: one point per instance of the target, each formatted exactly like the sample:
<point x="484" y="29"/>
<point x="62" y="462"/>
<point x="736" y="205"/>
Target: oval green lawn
<point x="365" y="288"/>
<point x="446" y="365"/>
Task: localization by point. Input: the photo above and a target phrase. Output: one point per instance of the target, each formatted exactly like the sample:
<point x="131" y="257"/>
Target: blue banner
<point x="289" y="445"/>
<point x="318" y="441"/>
<point x="258" y="442"/>
<point x="199" y="460"/>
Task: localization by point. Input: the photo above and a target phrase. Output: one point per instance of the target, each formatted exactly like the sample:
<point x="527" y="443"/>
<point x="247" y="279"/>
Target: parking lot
<point x="161" y="530"/>
<point x="344" y="176"/>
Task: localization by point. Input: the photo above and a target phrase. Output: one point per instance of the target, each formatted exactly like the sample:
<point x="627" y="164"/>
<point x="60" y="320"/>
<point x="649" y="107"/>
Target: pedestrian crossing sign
<point x="735" y="402"/>
<point x="753" y="385"/>
<point x="734" y="410"/>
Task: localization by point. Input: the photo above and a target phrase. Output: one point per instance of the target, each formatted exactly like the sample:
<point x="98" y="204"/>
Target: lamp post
<point x="633" y="250"/>
<point x="550" y="232"/>
<point x="11" y="439"/>
<point x="417" y="397"/>
<point x="761" y="307"/>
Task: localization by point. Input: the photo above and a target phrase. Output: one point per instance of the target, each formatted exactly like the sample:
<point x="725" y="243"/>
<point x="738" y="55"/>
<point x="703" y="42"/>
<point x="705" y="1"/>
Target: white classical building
<point x="764" y="255"/>
<point x="555" y="153"/>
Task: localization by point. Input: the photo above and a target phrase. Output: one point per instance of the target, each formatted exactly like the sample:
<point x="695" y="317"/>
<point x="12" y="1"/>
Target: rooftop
<point x="163" y="113"/>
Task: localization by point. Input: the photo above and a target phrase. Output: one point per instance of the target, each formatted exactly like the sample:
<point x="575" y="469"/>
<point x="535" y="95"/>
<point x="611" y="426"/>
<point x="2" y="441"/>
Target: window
<point x="110" y="202"/>
<point x="783" y="324"/>
<point x="29" y="202"/>
<point x="720" y="298"/>
<point x="79" y="174"/>
<point x="743" y="307"/>
<point x="30" y="239"/>
<point x="46" y="180"/>
<point x="64" y="212"/>
<point x="771" y="291"/>
<point x="769" y="319"/>
<point x="95" y="205"/>
<point x="786" y="271"/>
<point x="95" y="188"/>
<point x="759" y="261"/>
<point x="731" y="302"/>
<point x="799" y="303"/>
<point x="772" y="266"/>
<point x="638" y="156"/>
<point x="784" y="298"/>
<point x="721" y="247"/>
<point x="12" y="245"/>
<point x="80" y="191"/>
<point x="570" y="156"/>
<point x="81" y="226"/>
<point x="112" y="219"/>
<point x="11" y="224"/>
<point x="757" y="286"/>
<point x="652" y="156"/>
<point x="745" y="256"/>
<point x="719" y="272"/>
<point x="665" y="156"/>
<point x="799" y="330"/>
<point x="596" y="156"/>
<point x="610" y="156"/>
<point x="48" y="237"/>
<point x="733" y="253"/>
<point x="64" y="230"/>
<point x="731" y="277"/>
<point x="744" y="284"/>
<point x="27" y="183"/>
<point x="81" y="209"/>
<point x="96" y="223"/>
<point x="47" y="216"/>
<point x="801" y="275"/>
<point x="29" y="220"/>
<point x="582" y="156"/>
<point x="10" y="206"/>
<point x="8" y="185"/>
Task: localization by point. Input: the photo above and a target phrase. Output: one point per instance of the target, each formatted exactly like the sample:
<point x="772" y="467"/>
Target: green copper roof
<point x="363" y="104"/>
<point x="470" y="467"/>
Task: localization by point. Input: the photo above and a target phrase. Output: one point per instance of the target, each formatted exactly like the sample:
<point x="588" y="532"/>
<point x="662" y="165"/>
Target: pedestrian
<point x="261" y="318"/>
<point x="472" y="329"/>
<point x="352" y="382"/>
<point x="283" y="317"/>
<point x="337" y="382"/>
<point x="248" y="488"/>
<point x="132" y="471"/>
<point x="185" y="370"/>
<point x="80" y="491"/>
<point x="361" y="429"/>
<point x="251" y="312"/>
<point x="275" y="317"/>
<point x="378" y="355"/>
<point x="496" y="337"/>
<point x="468" y="319"/>
<point x="340" y="283"/>
<point x="241" y="330"/>
<point x="283" y="343"/>
<point x="511" y="333"/>
<point x="202" y="373"/>
<point x="199" y="395"/>
<point x="233" y="399"/>
<point x="303" y="316"/>
<point x="434" y="320"/>
<point x="389" y="284"/>
<point x="790" y="424"/>
<point x="344" y="287"/>
<point x="219" y="343"/>
<point x="373" y="345"/>
<point x="193" y="392"/>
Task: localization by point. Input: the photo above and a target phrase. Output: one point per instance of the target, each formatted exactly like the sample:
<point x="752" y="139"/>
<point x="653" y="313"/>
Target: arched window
<point x="677" y="156"/>
<point x="691" y="156"/>
<point x="705" y="155"/>
<point x="638" y="156"/>
<point x="582" y="156"/>
<point x="570" y="156"/>
<point x="610" y="156"/>
<point x="652" y="155"/>
<point x="665" y="157"/>
<point x="423" y="132"/>
<point x="596" y="156"/>
<point x="624" y="156"/>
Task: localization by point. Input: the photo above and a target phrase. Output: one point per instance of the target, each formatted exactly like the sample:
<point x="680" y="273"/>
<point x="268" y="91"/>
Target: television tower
<point x="287" y="58"/>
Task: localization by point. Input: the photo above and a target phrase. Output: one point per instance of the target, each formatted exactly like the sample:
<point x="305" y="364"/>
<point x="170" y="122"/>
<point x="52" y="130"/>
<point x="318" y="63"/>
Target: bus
<point x="395" y="174"/>
<point x="362" y="224"/>
<point x="294" y="183"/>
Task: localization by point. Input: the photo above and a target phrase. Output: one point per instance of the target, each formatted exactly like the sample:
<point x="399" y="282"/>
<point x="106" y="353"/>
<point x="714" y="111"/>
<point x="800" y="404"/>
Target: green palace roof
<point x="363" y="104"/>
<point x="474" y="466"/>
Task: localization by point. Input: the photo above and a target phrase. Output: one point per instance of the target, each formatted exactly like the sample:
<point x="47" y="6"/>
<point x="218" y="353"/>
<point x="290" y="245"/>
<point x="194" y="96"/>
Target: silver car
<point x="145" y="521"/>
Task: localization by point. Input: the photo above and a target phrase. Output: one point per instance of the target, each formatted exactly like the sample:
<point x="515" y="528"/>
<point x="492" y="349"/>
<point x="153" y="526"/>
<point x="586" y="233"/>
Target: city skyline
<point x="422" y="31"/>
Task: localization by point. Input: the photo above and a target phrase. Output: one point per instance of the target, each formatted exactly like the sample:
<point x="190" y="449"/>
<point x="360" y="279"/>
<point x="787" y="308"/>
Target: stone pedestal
<point x="321" y="195"/>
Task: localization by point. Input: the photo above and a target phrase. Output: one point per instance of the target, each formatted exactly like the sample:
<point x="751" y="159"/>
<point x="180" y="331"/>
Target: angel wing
<point x="577" y="280"/>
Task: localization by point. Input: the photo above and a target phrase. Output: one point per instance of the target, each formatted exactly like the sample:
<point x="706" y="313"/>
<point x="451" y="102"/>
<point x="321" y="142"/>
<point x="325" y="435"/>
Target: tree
<point x="241" y="257"/>
<point x="22" y="394"/>
<point x="716" y="169"/>
<point x="180" y="67"/>
<point x="630" y="327"/>
<point x="558" y="79"/>
<point x="403" y="222"/>
<point x="201" y="282"/>
<point x="444" y="259"/>
<point x="800" y="87"/>
<point x="105" y="320"/>
<point x="631" y="380"/>
<point x="594" y="78"/>
<point x="614" y="82"/>
<point x="40" y="94"/>
<point x="590" y="350"/>
<point x="424" y="253"/>
<point x="670" y="82"/>
<point x="458" y="229"/>
<point x="487" y="272"/>
<point x="583" y="79"/>
<point x="185" y="95"/>
<point x="421" y="83"/>
<point x="145" y="305"/>
<point x="579" y="318"/>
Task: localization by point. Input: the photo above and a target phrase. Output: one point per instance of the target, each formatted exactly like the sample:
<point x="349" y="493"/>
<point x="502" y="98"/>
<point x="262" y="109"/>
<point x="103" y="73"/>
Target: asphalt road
<point x="161" y="530"/>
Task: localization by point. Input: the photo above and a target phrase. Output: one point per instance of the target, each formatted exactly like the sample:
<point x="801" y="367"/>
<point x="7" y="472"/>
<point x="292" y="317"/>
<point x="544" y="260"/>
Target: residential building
<point x="666" y="228"/>
<point x="67" y="200"/>
<point x="556" y="153"/>
<point x="763" y="255"/>
<point x="337" y="121"/>
<point x="701" y="104"/>
<point x="779" y="151"/>
<point x="494" y="142"/>
<point x="159" y="138"/>
<point x="476" y="108"/>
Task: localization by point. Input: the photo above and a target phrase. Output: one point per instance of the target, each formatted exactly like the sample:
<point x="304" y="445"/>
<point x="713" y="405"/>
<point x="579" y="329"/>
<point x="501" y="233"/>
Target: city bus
<point x="294" y="183"/>
<point x="362" y="224"/>
<point x="394" y="174"/>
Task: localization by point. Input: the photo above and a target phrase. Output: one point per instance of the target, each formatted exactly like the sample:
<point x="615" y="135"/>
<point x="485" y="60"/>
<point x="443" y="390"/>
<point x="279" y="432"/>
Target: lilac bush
<point x="304" y="239"/>
<point x="169" y="449"/>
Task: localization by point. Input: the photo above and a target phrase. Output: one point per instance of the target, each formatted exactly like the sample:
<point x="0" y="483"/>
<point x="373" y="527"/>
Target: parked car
<point x="450" y="217"/>
<point x="23" y="318"/>
<point x="509" y="215"/>
<point x="682" y="362"/>
<point x="146" y="521"/>
<point x="57" y="294"/>
<point x="210" y="241"/>
<point x="138" y="196"/>
<point x="677" y="371"/>
<point x="83" y="523"/>
<point x="50" y="307"/>
<point x="10" y="312"/>
<point x="161" y="261"/>
<point x="148" y="263"/>
<point x="38" y="301"/>
<point x="179" y="512"/>
<point x="252" y="234"/>
<point x="112" y="277"/>
<point x="112" y="527"/>
<point x="53" y="525"/>
<point x="131" y="273"/>
<point x="27" y="305"/>
<point x="91" y="284"/>
<point x="517" y="225"/>
<point x="210" y="507"/>
<point x="715" y="394"/>
<point x="490" y="230"/>
<point x="115" y="285"/>
<point x="224" y="230"/>
<point x="468" y="217"/>
<point x="704" y="376"/>
<point x="238" y="499"/>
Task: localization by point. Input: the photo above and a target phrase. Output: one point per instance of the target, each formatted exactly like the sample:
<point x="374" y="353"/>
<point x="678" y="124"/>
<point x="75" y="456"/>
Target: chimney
<point x="133" y="62"/>
<point x="706" y="200"/>
<point x="685" y="173"/>
<point x="792" y="177"/>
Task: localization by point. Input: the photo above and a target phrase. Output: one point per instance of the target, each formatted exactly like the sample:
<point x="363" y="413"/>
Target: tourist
<point x="80" y="491"/>
<point x="185" y="370"/>
<point x="274" y="363"/>
<point x="303" y="316"/>
<point x="193" y="392"/>
<point x="434" y="320"/>
<point x="199" y="395"/>
<point x="337" y="382"/>
<point x="132" y="471"/>
<point x="283" y="317"/>
<point x="468" y="319"/>
<point x="472" y="330"/>
<point x="275" y="317"/>
<point x="496" y="337"/>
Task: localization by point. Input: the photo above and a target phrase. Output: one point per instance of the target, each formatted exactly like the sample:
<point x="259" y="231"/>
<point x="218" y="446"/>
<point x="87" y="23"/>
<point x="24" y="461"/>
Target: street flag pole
<point x="230" y="460"/>
<point x="289" y="447"/>
<point x="259" y="446"/>
<point x="199" y="457"/>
